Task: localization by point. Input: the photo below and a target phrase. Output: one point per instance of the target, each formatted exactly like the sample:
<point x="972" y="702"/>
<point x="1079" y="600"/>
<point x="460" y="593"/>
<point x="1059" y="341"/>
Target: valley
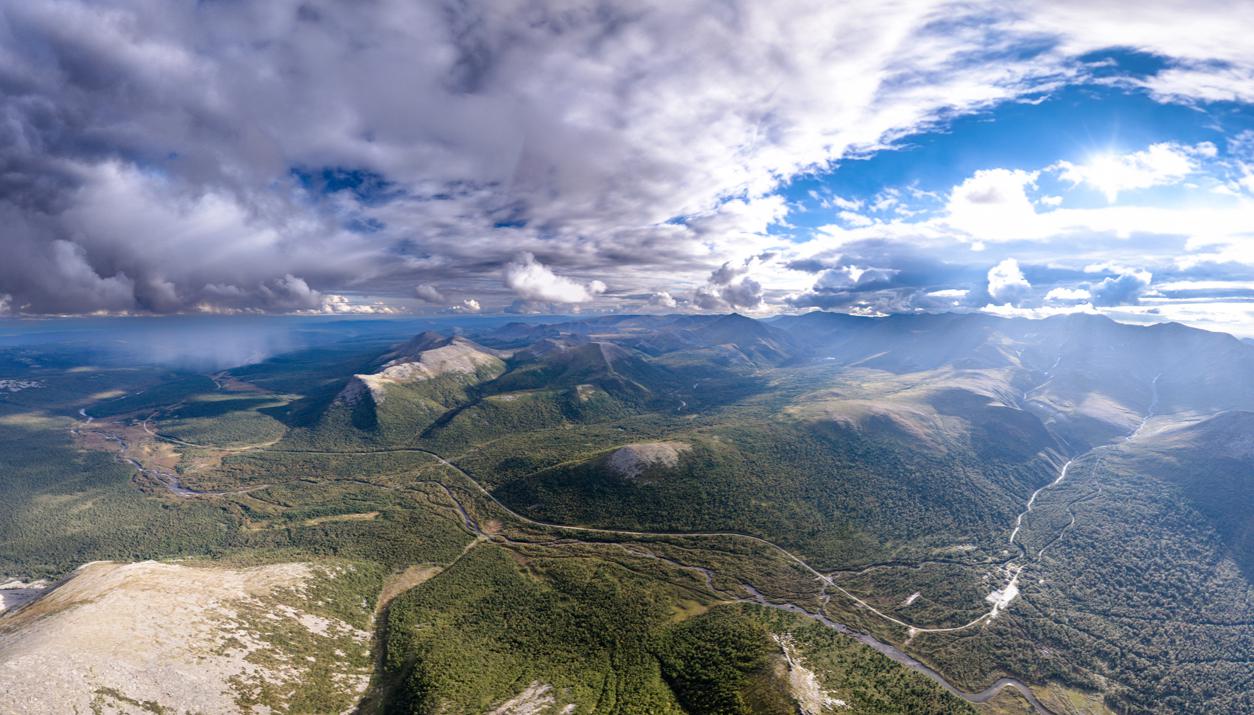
<point x="638" y="485"/>
<point x="605" y="357"/>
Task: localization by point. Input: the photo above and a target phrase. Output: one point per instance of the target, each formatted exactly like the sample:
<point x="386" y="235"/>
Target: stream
<point x="999" y="599"/>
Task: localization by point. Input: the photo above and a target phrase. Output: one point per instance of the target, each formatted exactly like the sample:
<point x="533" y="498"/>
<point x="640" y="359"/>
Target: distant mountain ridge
<point x="732" y="337"/>
<point x="1089" y="379"/>
<point x="1194" y="367"/>
<point x="1063" y="501"/>
<point x="1088" y="375"/>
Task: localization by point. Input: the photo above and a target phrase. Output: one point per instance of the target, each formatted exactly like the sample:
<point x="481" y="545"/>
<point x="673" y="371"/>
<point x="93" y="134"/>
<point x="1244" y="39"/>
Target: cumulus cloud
<point x="730" y="287"/>
<point x="334" y="304"/>
<point x="1006" y="283"/>
<point x="289" y="293"/>
<point x="81" y="282"/>
<point x="1122" y="289"/>
<point x="663" y="299"/>
<point x="130" y="240"/>
<point x="886" y="276"/>
<point x="1068" y="295"/>
<point x="532" y="281"/>
<point x="707" y="298"/>
<point x="1119" y="286"/>
<point x="1202" y="237"/>
<point x="744" y="293"/>
<point x="258" y="156"/>
<point x="428" y="293"/>
<point x="993" y="203"/>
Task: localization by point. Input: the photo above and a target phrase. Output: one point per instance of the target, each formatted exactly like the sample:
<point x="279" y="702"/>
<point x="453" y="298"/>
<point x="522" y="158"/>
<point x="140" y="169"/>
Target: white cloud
<point x="533" y="281"/>
<point x="469" y="305"/>
<point x="1106" y="267"/>
<point x="993" y="204"/>
<point x="1006" y="283"/>
<point x="992" y="207"/>
<point x="1068" y="295"/>
<point x="1011" y="311"/>
<point x="855" y="219"/>
<point x="1205" y="285"/>
<point x="335" y="304"/>
<point x="1206" y="83"/>
<point x="1125" y="288"/>
<point x="642" y="141"/>
<point x="663" y="299"/>
<point x="550" y="127"/>
<point x="886" y="200"/>
<point x="1205" y="39"/>
<point x="949" y="293"/>
<point x="1160" y="164"/>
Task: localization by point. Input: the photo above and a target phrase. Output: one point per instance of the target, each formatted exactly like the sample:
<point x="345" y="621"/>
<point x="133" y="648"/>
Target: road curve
<point x="886" y="649"/>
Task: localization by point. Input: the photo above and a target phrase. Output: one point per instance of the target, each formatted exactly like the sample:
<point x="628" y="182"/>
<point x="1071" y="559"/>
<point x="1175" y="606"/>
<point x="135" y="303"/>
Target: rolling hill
<point x="572" y="513"/>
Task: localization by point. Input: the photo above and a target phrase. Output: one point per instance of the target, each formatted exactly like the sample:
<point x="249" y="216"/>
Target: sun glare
<point x="1106" y="173"/>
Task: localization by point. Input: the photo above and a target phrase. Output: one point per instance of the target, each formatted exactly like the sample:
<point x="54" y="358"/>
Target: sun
<point x="1108" y="173"/>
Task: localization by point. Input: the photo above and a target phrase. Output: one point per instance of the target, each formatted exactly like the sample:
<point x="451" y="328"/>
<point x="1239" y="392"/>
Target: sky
<point x="561" y="156"/>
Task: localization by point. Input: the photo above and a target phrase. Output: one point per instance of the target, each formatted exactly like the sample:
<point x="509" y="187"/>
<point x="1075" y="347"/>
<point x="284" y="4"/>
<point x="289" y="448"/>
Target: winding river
<point x="896" y="654"/>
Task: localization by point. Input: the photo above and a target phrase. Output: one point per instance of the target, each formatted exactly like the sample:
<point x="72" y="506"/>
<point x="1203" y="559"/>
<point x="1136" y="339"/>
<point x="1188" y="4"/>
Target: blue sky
<point x="1072" y="124"/>
<point x="1094" y="123"/>
<point x="402" y="158"/>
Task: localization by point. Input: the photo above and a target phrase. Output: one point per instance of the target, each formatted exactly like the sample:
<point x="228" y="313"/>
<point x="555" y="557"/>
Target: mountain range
<point x="708" y="510"/>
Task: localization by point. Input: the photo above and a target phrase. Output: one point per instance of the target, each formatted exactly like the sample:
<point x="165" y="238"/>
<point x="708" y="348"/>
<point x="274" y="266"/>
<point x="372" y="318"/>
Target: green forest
<point x="1134" y="589"/>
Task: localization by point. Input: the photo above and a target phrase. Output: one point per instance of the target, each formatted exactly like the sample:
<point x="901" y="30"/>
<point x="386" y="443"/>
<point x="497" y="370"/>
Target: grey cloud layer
<point x="163" y="157"/>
